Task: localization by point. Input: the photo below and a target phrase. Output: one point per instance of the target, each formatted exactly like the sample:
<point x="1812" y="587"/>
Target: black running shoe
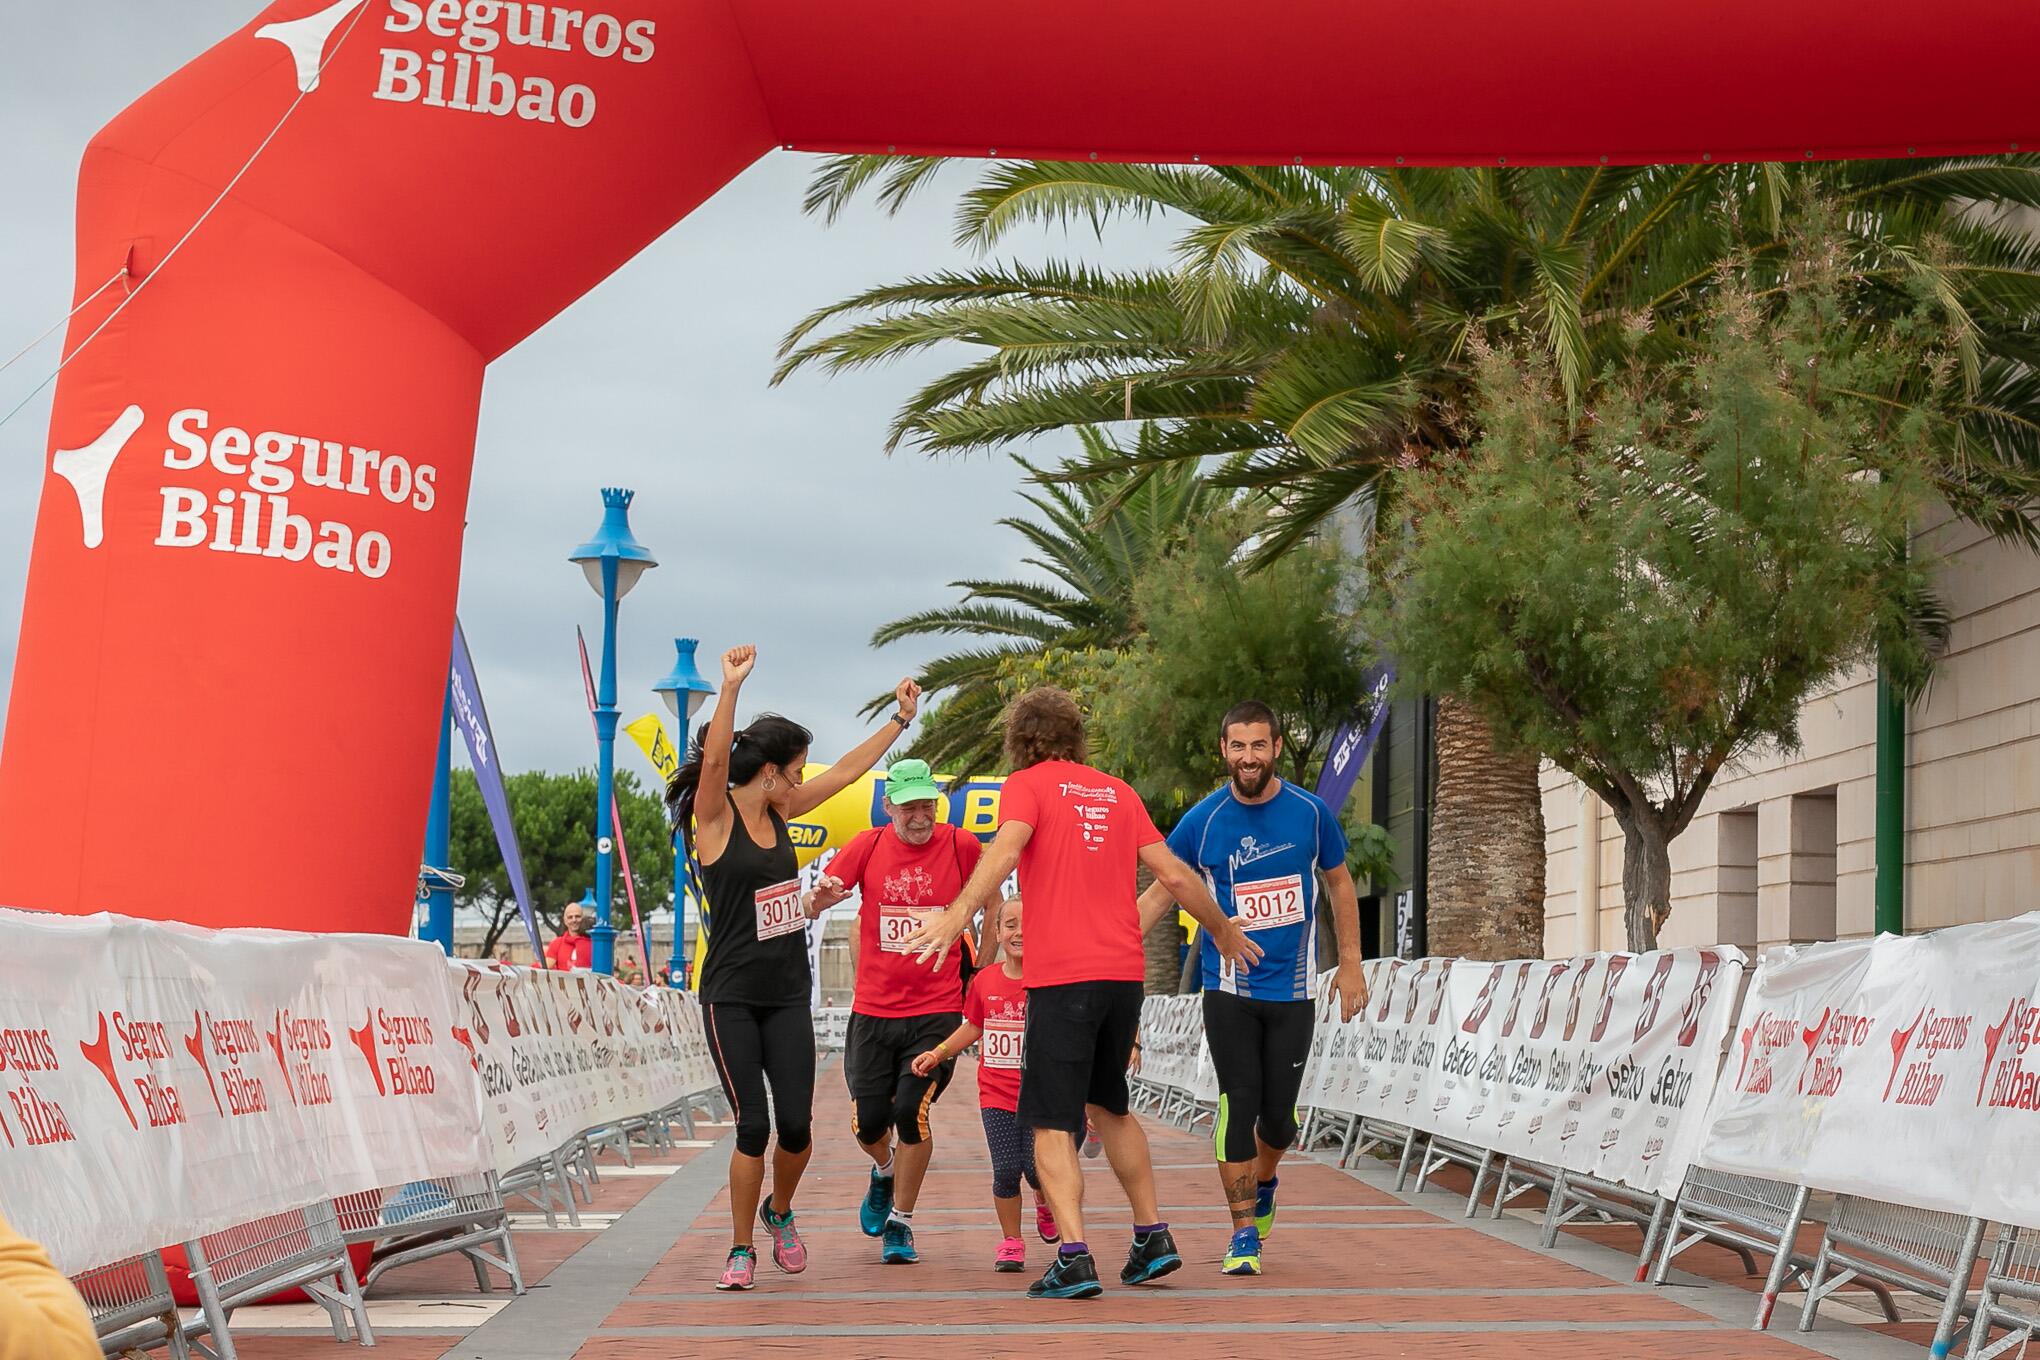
<point x="1152" y="1256"/>
<point x="1069" y="1276"/>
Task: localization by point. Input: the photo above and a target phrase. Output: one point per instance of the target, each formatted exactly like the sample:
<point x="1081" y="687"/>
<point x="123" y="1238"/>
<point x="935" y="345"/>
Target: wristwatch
<point x="903" y="720"/>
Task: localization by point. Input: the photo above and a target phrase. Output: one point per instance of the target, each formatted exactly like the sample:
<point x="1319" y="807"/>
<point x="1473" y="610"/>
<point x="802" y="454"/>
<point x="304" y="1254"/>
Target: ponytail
<point x="769" y="740"/>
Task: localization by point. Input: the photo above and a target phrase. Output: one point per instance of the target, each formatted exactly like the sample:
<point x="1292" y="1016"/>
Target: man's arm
<point x="1349" y="983"/>
<point x="1182" y="883"/>
<point x="1001" y="857"/>
<point x="1155" y="903"/>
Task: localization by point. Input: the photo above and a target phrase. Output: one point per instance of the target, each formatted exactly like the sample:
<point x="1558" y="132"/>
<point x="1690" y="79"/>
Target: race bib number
<point x="895" y="924"/>
<point x="1269" y="903"/>
<point x="779" y="910"/>
<point x="1001" y="1043"/>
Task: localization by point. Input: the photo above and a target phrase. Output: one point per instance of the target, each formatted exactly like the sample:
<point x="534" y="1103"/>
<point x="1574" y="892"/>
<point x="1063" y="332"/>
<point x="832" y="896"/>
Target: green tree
<point x="555" y="819"/>
<point x="1090" y="539"/>
<point x="1650" y="587"/>
<point x="1314" y="338"/>
<point x="1210" y="636"/>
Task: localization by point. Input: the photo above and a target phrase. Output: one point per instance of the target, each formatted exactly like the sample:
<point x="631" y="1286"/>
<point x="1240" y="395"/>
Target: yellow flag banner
<point x="650" y="735"/>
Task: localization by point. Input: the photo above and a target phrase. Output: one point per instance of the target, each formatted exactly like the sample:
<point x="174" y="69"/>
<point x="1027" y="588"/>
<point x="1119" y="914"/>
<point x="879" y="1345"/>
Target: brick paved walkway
<point x="1354" y="1271"/>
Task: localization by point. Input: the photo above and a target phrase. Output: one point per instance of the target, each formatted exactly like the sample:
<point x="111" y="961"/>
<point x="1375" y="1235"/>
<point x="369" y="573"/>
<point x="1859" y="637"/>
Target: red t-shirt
<point x="903" y="885"/>
<point x="568" y="952"/>
<point x="1077" y="872"/>
<point x="997" y="1005"/>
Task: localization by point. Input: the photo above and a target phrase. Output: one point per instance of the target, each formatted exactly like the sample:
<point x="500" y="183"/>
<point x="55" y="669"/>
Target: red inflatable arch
<point x="235" y="637"/>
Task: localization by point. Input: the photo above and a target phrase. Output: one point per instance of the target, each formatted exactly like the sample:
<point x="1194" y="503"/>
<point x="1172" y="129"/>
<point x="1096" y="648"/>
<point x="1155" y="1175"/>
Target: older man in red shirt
<point x="572" y="949"/>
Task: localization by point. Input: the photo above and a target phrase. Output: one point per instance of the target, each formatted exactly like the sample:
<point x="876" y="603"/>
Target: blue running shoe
<point x="1152" y="1256"/>
<point x="871" y="1214"/>
<point x="1069" y="1276"/>
<point x="899" y="1245"/>
<point x="1264" y="1208"/>
<point x="1243" y="1253"/>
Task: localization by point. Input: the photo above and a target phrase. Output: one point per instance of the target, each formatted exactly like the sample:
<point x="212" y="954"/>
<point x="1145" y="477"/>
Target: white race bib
<point x="1269" y="903"/>
<point x="895" y="924"/>
<point x="1002" y="1042"/>
<point x="779" y="909"/>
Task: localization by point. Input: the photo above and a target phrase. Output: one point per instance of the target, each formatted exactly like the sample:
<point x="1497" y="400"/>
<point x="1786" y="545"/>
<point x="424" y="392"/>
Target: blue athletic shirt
<point x="1261" y="859"/>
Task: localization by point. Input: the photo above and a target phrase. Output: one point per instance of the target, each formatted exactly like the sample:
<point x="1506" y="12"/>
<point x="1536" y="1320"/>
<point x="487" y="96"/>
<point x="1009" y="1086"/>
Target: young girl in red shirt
<point x="995" y="1009"/>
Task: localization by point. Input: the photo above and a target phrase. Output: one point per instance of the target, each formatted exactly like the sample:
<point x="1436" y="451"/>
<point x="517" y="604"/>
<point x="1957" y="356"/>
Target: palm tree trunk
<point x="1163" y="947"/>
<point x="1486" y="898"/>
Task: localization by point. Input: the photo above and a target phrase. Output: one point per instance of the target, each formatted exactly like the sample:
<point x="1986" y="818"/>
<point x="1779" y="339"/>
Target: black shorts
<point x="1079" y="1038"/>
<point x="878" y="1063"/>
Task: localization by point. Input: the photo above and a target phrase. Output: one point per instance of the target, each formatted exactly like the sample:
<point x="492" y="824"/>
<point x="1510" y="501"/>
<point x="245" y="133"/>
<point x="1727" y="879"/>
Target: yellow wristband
<point x="942" y="1052"/>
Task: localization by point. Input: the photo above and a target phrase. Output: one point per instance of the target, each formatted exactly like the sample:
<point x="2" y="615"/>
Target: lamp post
<point x="601" y="937"/>
<point x="434" y="883"/>
<point x="685" y="692"/>
<point x="613" y="561"/>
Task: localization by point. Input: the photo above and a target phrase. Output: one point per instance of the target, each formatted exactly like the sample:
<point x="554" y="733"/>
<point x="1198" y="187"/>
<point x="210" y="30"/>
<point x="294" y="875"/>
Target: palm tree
<point x="1091" y="537"/>
<point x="1315" y="336"/>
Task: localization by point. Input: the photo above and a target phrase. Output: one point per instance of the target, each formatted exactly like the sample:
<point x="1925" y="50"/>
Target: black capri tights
<point x="759" y="1046"/>
<point x="1012" y="1149"/>
<point x="1258" y="1049"/>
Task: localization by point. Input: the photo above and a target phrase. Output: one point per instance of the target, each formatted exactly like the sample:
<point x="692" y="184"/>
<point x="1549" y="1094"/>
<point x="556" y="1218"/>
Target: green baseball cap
<point x="910" y="781"/>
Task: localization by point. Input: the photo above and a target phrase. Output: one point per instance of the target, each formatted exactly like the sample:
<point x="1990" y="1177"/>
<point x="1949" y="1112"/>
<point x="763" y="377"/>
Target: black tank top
<point x="757" y="932"/>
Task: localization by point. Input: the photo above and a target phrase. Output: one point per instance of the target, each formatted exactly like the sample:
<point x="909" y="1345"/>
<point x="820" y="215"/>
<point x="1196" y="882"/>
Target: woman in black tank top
<point x="731" y="802"/>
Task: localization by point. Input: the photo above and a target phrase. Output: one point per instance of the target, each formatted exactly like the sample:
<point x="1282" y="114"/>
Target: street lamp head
<point x="683" y="689"/>
<point x="613" y="542"/>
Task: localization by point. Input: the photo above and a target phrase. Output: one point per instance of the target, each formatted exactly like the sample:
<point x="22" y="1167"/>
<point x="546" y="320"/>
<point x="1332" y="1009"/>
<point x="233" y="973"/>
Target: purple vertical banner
<point x="1354" y="741"/>
<point x="473" y="721"/>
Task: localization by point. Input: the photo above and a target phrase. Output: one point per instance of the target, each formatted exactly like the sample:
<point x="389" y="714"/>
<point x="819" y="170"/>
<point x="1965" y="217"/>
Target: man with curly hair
<point x="1077" y="835"/>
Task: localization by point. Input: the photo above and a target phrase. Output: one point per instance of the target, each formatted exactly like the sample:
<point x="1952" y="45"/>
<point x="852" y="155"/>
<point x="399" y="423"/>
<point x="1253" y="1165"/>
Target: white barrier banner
<point x="558" y="1053"/>
<point x="1903" y="1069"/>
<point x="1603" y="1065"/>
<point x="159" y="1082"/>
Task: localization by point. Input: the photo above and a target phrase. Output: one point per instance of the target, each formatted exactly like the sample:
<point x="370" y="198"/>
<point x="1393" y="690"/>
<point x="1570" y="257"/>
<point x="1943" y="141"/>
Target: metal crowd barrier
<point x="2011" y="1294"/>
<point x="300" y="1249"/>
<point x="132" y="1307"/>
<point x="1876" y="1245"/>
<point x="1574" y="1195"/>
<point x="432" y="1218"/>
<point x="1747" y="1215"/>
<point x="1886" y="1244"/>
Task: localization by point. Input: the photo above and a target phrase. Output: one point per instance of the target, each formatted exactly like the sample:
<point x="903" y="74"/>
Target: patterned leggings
<point x="1012" y="1149"/>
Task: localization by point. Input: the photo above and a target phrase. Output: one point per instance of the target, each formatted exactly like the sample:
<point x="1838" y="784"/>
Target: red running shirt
<point x="997" y="1005"/>
<point x="1077" y="872"/>
<point x="903" y="885"/>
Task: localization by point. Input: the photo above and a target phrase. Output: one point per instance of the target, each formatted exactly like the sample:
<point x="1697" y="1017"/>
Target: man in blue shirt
<point x="1262" y="844"/>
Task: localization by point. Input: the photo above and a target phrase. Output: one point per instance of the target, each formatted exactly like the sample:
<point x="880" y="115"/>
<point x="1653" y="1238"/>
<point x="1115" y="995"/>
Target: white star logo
<point x="306" y="39"/>
<point x="85" y="469"/>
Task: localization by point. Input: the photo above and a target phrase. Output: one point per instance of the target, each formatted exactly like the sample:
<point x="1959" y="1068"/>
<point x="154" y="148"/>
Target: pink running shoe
<point x="1044" y="1222"/>
<point x="737" y="1271"/>
<point x="1012" y="1255"/>
<point x="789" y="1253"/>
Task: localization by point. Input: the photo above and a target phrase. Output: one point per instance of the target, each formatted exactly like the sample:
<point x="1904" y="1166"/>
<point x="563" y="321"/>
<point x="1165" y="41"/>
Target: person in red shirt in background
<point x="995" y="1008"/>
<point x="1077" y="835"/>
<point x="571" y="949"/>
<point x="905" y="872"/>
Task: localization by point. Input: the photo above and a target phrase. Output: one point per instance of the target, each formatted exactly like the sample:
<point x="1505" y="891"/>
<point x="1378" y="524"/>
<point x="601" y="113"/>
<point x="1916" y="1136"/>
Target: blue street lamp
<point x="601" y="937"/>
<point x="685" y="692"/>
<point x="613" y="561"/>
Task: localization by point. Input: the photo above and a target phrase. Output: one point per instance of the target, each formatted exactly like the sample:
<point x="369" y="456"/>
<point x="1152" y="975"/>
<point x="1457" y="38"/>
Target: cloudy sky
<point x="656" y="380"/>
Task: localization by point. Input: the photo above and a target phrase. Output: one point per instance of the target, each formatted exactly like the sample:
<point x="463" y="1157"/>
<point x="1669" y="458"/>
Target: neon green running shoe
<point x="1264" y="1208"/>
<point x="1243" y="1254"/>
